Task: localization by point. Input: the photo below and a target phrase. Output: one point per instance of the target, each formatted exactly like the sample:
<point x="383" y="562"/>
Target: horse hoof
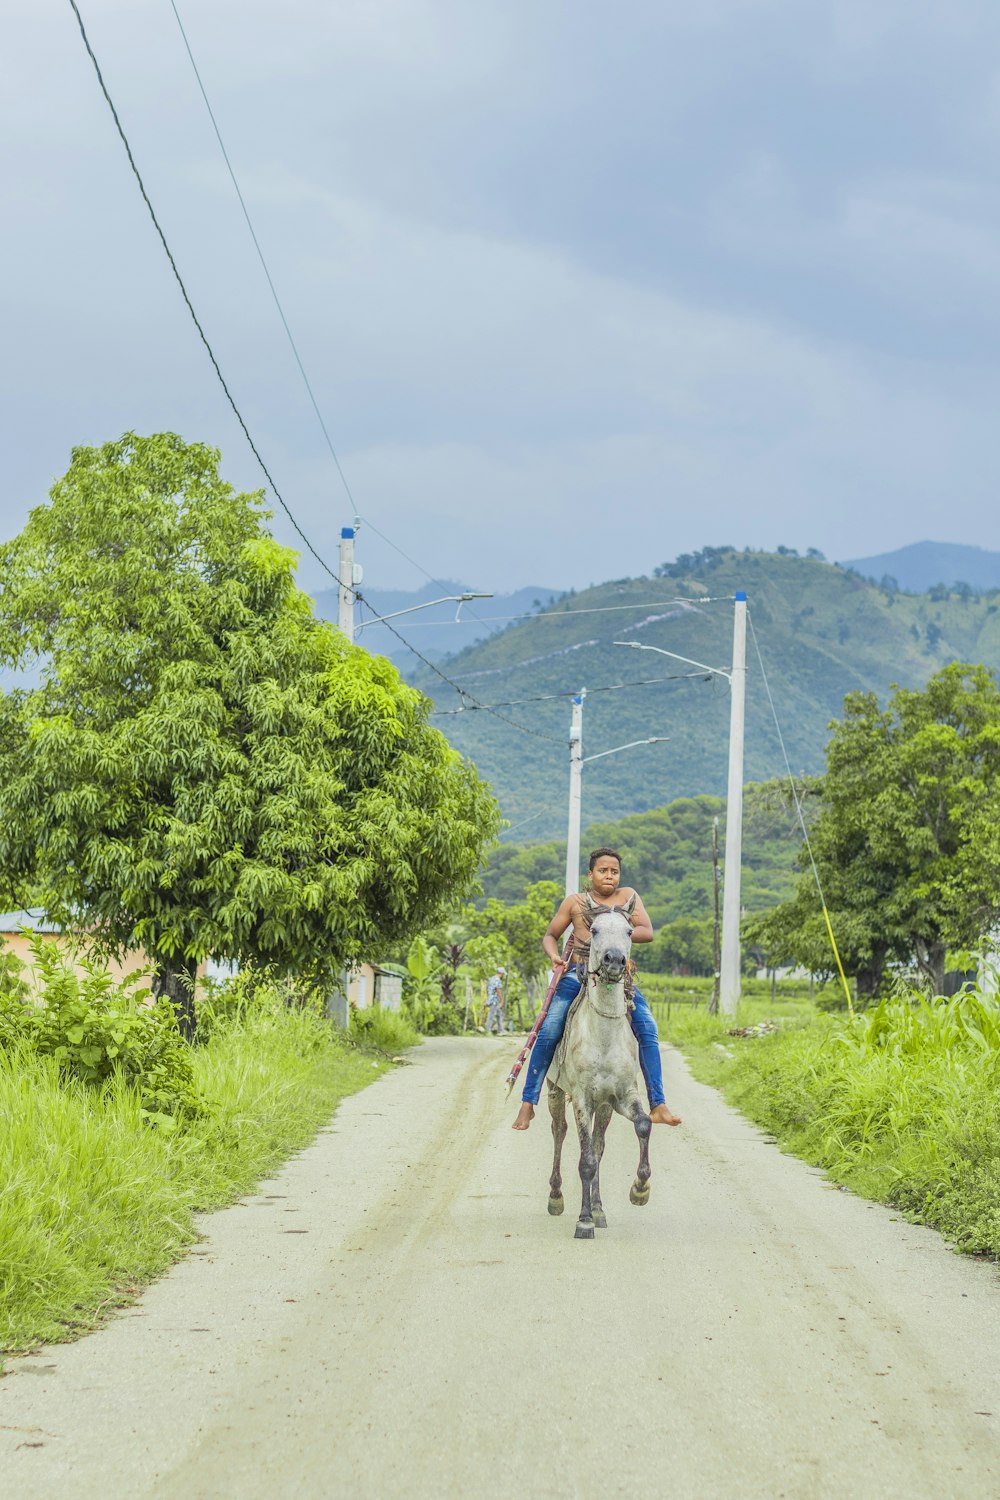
<point x="600" y="1219"/>
<point x="584" y="1232"/>
<point x="639" y="1196"/>
<point x="556" y="1206"/>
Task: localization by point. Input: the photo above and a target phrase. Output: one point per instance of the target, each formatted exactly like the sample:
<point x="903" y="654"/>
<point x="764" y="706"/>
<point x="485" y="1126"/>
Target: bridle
<point x="593" y="974"/>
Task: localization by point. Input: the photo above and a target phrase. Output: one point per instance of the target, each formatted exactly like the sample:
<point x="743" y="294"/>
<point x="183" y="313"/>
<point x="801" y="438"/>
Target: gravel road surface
<point x="395" y="1314"/>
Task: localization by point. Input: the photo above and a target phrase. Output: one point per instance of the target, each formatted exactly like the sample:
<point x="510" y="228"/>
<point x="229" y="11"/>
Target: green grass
<point x="900" y="1105"/>
<point x="389" y="1030"/>
<point x="94" y="1201"/>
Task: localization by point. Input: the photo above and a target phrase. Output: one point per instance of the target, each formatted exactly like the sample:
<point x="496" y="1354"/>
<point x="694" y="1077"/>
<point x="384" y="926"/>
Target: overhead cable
<point x="524" y="729"/>
<point x="546" y="615"/>
<point x="802" y="821"/>
<point x="468" y="701"/>
<point x="284" y="320"/>
<point x="263" y="262"/>
<point x="190" y="307"/>
<point x="614" y="687"/>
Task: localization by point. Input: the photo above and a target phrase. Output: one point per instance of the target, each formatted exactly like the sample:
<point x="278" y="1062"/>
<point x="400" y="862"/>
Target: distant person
<point x="495" y="996"/>
<point x="578" y="911"/>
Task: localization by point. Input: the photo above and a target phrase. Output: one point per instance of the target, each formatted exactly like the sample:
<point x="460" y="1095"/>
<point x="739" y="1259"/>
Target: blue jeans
<point x="551" y="1029"/>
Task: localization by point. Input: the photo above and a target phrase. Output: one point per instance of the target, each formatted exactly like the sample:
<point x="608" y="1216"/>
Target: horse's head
<point x="611" y="942"/>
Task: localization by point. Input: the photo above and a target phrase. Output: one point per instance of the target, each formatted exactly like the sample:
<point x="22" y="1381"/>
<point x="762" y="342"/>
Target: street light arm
<point x="656" y="739"/>
<point x="641" y="646"/>
<point x="464" y="599"/>
<point x="458" y="599"/>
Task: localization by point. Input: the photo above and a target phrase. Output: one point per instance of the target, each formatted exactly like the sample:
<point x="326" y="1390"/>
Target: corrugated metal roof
<point x="33" y="918"/>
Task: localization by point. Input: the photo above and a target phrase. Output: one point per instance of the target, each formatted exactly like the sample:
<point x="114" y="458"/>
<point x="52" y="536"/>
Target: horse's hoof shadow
<point x="639" y="1196"/>
<point x="600" y="1219"/>
<point x="556" y="1206"/>
<point x="584" y="1232"/>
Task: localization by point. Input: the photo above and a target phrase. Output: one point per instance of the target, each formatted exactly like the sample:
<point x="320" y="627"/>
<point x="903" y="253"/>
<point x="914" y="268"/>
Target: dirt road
<point x="395" y="1314"/>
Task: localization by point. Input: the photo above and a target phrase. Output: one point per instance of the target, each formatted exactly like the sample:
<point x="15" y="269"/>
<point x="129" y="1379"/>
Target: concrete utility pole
<point x="345" y="613"/>
<point x="713" y="1008"/>
<point x="729" y="986"/>
<point x="575" y="794"/>
<point x="577" y="761"/>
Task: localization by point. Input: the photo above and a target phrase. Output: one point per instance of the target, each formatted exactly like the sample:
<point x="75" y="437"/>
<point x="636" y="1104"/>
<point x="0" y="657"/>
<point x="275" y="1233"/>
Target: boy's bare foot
<point x="661" y="1115"/>
<point x="525" y="1115"/>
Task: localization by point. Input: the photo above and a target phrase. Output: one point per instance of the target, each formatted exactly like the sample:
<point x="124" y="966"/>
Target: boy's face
<point x="605" y="876"/>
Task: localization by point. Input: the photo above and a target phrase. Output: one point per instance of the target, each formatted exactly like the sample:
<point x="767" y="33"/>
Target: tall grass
<point x="93" y="1200"/>
<point x="389" y="1030"/>
<point x="901" y="1104"/>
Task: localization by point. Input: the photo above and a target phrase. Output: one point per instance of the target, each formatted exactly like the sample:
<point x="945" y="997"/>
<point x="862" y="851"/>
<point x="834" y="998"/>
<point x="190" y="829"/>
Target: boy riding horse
<point x="579" y="910"/>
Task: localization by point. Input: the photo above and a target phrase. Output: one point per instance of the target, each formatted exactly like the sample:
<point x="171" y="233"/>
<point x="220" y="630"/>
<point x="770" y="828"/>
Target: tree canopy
<point x="906" y="841"/>
<point x="206" y="769"/>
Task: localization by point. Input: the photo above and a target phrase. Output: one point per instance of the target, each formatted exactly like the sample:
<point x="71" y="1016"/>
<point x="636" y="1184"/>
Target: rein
<point x="609" y="1015"/>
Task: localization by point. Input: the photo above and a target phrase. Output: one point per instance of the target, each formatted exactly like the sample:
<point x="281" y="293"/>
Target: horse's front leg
<point x="639" y="1194"/>
<point x="602" y="1120"/>
<point x="557" y="1110"/>
<point x="588" y="1167"/>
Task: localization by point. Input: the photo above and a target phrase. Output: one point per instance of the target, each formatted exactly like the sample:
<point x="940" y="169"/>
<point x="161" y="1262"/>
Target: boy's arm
<point x="642" y="927"/>
<point x="562" y="919"/>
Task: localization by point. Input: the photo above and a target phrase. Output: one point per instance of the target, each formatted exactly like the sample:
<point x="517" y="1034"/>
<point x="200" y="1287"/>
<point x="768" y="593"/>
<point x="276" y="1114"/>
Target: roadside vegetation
<point x="197" y="766"/>
<point x="118" y="1132"/>
<point x="899" y="1104"/>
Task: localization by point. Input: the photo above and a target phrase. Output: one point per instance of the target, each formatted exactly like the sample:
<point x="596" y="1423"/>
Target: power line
<point x="308" y="384"/>
<point x="229" y="396"/>
<point x="615" y="687"/>
<point x="467" y="699"/>
<point x="284" y="321"/>
<point x="260" y="257"/>
<point x="802" y="821"/>
<point x="546" y="615"/>
<point x="190" y="307"/>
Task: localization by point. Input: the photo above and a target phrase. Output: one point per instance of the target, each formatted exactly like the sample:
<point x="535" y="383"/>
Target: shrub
<point x="98" y="1030"/>
<point x="389" y="1030"/>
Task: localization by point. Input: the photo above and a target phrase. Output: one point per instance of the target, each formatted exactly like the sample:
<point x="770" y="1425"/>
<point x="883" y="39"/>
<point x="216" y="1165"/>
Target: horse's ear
<point x="629" y="906"/>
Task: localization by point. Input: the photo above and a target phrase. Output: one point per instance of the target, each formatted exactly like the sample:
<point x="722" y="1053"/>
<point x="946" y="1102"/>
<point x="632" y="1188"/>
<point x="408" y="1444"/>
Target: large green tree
<point x="907" y="841"/>
<point x="206" y="769"/>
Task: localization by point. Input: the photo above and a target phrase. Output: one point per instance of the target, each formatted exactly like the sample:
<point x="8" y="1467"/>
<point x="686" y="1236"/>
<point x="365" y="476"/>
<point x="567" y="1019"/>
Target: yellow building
<point x="18" y="928"/>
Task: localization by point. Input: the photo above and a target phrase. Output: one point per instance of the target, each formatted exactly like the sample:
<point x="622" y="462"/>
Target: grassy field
<point x="95" y="1201"/>
<point x="900" y="1105"/>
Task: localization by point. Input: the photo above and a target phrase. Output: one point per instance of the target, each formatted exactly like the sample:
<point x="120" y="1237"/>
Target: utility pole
<point x="729" y="984"/>
<point x="575" y="794"/>
<point x="713" y="1008"/>
<point x="345" y="613"/>
<point x="577" y="761"/>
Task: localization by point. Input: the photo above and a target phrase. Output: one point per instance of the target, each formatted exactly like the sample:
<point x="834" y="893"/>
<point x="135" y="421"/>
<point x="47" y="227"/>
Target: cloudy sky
<point x="578" y="286"/>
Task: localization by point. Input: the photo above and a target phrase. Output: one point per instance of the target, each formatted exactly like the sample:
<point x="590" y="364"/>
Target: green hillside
<point x="667" y="854"/>
<point x="823" y="631"/>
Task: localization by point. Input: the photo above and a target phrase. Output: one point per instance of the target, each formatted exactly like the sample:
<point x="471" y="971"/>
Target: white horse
<point x="596" y="1066"/>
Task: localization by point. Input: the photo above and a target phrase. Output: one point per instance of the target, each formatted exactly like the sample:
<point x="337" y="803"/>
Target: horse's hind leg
<point x="557" y="1109"/>
<point x="602" y="1120"/>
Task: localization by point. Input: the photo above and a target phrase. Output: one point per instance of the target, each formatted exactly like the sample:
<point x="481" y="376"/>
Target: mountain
<point x="923" y="564"/>
<point x="433" y="630"/>
<point x="822" y="631"/>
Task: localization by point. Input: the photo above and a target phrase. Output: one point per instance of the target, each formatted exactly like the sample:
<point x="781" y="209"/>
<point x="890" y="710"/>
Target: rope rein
<point x="609" y="1015"/>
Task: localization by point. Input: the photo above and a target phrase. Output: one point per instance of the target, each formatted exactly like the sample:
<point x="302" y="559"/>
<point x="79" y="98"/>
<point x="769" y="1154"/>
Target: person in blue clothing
<point x="578" y="911"/>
